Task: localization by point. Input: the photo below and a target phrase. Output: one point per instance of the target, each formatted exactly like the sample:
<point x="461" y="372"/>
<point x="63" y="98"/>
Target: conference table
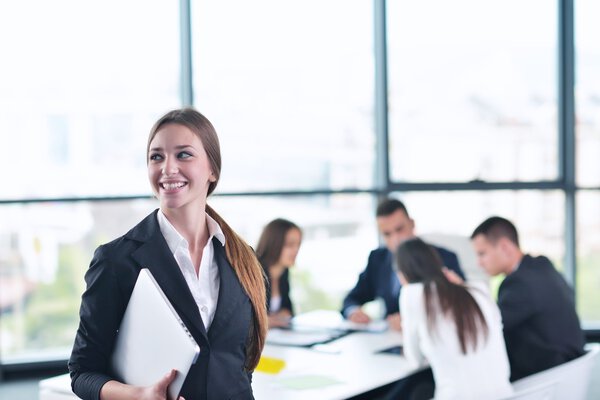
<point x="319" y="360"/>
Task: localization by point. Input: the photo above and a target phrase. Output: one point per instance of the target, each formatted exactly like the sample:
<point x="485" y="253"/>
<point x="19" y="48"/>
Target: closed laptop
<point x="152" y="339"/>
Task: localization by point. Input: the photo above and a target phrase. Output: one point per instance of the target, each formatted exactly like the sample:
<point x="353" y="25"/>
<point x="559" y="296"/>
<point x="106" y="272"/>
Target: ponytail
<point x="251" y="276"/>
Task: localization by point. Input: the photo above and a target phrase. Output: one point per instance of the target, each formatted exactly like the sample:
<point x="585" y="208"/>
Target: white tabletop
<point x="339" y="369"/>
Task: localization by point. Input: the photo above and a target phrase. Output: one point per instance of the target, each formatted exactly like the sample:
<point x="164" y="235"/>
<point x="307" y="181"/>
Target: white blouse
<point x="480" y="374"/>
<point x="205" y="286"/>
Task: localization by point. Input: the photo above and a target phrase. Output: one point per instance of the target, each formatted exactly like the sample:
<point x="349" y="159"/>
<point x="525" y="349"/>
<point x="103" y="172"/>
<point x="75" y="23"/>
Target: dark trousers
<point x="418" y="386"/>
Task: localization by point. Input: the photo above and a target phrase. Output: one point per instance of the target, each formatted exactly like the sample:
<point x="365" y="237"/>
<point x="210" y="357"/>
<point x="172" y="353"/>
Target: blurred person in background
<point x="541" y="326"/>
<point x="277" y="249"/>
<point x="453" y="327"/>
<point x="379" y="279"/>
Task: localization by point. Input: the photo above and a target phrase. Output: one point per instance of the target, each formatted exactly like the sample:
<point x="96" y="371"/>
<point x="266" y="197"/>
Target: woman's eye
<point x="184" y="154"/>
<point x="155" y="157"/>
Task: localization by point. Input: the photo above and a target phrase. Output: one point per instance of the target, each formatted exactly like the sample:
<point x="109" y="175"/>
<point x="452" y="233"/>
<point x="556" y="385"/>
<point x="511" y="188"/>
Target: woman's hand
<point x="158" y="391"/>
<point x="113" y="390"/>
<point x="359" y="316"/>
<point x="452" y="276"/>
<point x="280" y="319"/>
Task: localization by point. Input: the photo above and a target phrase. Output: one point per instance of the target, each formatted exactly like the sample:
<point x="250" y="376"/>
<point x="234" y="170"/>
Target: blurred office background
<point x="462" y="109"/>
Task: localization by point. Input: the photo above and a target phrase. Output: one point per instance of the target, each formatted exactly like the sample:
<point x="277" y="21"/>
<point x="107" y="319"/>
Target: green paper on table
<point x="307" y="382"/>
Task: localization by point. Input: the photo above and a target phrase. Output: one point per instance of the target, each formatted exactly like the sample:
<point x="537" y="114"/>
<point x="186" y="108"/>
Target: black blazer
<point x="284" y="290"/>
<point x="219" y="372"/>
<point x="541" y="327"/>
<point x="379" y="280"/>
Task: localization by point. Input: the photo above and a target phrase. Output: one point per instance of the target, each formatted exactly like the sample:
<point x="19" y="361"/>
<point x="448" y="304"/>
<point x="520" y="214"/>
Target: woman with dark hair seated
<point x="455" y="327"/>
<point x="277" y="250"/>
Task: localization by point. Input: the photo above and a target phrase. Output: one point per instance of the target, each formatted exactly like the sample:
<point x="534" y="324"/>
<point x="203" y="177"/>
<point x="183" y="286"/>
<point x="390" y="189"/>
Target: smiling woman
<point x="178" y="168"/>
<point x="193" y="254"/>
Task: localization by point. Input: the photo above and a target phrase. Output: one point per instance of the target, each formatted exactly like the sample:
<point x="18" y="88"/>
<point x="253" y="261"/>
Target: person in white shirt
<point x="209" y="274"/>
<point x="455" y="328"/>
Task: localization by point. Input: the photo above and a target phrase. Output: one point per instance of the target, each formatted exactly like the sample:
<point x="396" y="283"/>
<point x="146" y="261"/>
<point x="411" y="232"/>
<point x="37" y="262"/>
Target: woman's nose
<point x="170" y="167"/>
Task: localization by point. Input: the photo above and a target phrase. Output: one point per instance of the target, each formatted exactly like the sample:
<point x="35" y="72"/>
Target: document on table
<point x="302" y="382"/>
<point x="303" y="338"/>
<point x="333" y="320"/>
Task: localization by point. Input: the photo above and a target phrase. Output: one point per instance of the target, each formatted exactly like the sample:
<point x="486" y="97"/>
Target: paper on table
<point x="299" y="338"/>
<point x="373" y="326"/>
<point x="327" y="319"/>
<point x="301" y="382"/>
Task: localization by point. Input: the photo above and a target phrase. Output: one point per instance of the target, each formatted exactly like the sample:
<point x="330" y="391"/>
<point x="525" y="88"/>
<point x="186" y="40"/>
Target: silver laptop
<point x="152" y="339"/>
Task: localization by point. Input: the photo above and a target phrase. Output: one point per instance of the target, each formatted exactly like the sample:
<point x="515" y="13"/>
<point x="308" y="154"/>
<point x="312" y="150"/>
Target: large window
<point x="289" y="87"/>
<point x="587" y="102"/>
<point x="472" y="93"/>
<point x="473" y="112"/>
<point x="79" y="90"/>
<point x="338" y="233"/>
<point x="588" y="256"/>
<point x="587" y="90"/>
<point x="46" y="249"/>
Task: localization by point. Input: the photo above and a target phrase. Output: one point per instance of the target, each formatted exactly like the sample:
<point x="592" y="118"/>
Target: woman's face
<point x="178" y="168"/>
<point x="291" y="245"/>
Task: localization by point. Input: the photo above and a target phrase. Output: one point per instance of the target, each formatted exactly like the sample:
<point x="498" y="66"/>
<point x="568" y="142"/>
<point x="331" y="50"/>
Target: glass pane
<point x="472" y="90"/>
<point x="588" y="257"/>
<point x="79" y="91"/>
<point x="587" y="92"/>
<point x="289" y="88"/>
<point x="338" y="233"/>
<point x="45" y="250"/>
<point x="537" y="215"/>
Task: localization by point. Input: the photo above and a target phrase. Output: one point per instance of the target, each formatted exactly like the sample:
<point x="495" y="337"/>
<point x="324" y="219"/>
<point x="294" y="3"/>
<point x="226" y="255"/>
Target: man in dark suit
<point x="541" y="327"/>
<point x="379" y="280"/>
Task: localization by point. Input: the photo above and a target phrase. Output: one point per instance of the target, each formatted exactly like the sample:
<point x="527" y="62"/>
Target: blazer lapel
<point x="155" y="255"/>
<point x="230" y="291"/>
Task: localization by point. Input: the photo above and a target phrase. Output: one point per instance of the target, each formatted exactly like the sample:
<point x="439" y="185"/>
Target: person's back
<point x="456" y="328"/>
<point x="541" y="327"/>
<point x="481" y="373"/>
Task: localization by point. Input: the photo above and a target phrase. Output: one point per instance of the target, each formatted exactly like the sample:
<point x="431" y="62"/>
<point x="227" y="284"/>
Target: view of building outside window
<point x="587" y="93"/>
<point x="588" y="257"/>
<point x="76" y="107"/>
<point x="46" y="249"/>
<point x="468" y="98"/>
<point x="293" y="102"/>
<point x="587" y="109"/>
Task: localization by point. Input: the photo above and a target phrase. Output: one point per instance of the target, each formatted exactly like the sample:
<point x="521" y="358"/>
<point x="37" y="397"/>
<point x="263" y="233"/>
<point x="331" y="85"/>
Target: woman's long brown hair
<point x="419" y="262"/>
<point x="239" y="254"/>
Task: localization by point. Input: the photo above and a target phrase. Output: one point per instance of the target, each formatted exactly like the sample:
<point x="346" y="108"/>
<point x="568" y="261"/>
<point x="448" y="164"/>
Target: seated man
<point x="379" y="279"/>
<point x="541" y="327"/>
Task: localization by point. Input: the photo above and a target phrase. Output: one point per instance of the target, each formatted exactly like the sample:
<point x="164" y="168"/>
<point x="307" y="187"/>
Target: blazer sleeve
<point x="101" y="311"/>
<point x="516" y="302"/>
<point x="364" y="290"/>
<point x="411" y="300"/>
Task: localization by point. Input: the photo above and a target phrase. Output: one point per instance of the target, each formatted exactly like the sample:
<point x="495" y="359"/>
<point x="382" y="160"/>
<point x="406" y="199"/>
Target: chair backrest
<point x="461" y="245"/>
<point x="544" y="391"/>
<point x="573" y="377"/>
